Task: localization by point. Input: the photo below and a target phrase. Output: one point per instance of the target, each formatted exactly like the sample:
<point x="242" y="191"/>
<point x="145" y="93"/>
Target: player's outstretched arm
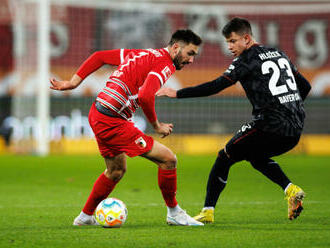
<point x="169" y="92"/>
<point x="205" y="89"/>
<point x="64" y="84"/>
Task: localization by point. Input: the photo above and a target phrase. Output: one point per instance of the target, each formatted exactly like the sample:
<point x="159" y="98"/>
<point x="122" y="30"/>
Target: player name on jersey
<point x="268" y="55"/>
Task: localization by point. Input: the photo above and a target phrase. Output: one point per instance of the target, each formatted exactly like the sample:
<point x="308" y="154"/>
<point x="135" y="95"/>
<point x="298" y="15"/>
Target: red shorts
<point x="116" y="135"/>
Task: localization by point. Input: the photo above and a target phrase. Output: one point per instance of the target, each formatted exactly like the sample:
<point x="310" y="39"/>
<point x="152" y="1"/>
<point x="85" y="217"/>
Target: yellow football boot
<point x="205" y="216"/>
<point x="294" y="196"/>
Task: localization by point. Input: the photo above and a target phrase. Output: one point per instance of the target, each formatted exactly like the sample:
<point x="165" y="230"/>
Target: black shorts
<point x="251" y="144"/>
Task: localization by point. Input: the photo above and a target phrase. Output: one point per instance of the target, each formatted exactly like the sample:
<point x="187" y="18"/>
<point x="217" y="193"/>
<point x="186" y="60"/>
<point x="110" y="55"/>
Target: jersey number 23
<point x="274" y="88"/>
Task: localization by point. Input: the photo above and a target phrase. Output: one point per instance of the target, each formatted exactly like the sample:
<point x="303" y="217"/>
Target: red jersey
<point x="140" y="74"/>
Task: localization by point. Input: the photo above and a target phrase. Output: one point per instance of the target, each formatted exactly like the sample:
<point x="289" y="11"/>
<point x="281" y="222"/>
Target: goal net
<point x="79" y="28"/>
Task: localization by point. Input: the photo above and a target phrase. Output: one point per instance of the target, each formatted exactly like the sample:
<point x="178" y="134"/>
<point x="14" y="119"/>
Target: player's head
<point x="183" y="46"/>
<point x="238" y="34"/>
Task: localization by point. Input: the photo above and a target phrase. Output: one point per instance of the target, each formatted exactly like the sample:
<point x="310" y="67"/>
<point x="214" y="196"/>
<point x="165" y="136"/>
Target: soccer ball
<point x="111" y="212"/>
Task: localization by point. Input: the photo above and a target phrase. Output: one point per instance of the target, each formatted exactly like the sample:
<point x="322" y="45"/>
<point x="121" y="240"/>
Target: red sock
<point x="167" y="184"/>
<point x="101" y="189"/>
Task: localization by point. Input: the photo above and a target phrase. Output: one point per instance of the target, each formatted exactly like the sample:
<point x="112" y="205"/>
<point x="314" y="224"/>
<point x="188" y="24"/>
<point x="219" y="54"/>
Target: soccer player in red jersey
<point x="140" y="74"/>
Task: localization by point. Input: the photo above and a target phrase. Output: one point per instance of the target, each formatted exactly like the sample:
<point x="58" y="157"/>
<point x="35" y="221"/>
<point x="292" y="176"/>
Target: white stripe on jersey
<point x="111" y="107"/>
<point x="133" y="97"/>
<point x="122" y="85"/>
<point x="115" y="92"/>
<point x="122" y="55"/>
<point x="157" y="75"/>
<point x="126" y="89"/>
<point x="118" y="99"/>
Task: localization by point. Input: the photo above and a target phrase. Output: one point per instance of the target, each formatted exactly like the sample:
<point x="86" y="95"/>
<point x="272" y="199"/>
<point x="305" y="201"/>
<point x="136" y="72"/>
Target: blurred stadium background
<point x="41" y="39"/>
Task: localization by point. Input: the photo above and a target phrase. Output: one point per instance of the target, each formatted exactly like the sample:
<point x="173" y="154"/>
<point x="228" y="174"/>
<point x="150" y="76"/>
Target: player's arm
<point x="304" y="86"/>
<point x="91" y="64"/>
<point x="204" y="89"/>
<point x="146" y="98"/>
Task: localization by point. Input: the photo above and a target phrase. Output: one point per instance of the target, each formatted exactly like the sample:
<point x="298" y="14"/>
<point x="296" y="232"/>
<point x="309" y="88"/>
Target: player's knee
<point x="170" y="162"/>
<point x="223" y="161"/>
<point x="115" y="175"/>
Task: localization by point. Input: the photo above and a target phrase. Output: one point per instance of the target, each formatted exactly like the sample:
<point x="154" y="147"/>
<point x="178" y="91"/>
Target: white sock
<point x="84" y="216"/>
<point x="208" y="208"/>
<point x="173" y="211"/>
<point x="286" y="188"/>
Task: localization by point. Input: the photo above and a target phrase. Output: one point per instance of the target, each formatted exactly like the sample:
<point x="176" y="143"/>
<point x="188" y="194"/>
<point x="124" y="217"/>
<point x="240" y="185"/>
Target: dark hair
<point x="185" y="35"/>
<point x="238" y="25"/>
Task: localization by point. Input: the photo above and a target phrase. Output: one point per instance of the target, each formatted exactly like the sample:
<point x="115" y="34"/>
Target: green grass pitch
<point x="39" y="198"/>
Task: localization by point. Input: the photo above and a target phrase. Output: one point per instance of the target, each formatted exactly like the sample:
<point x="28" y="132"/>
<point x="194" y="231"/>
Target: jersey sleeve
<point x="303" y="85"/>
<point x="146" y="96"/>
<point x="205" y="89"/>
<point x="238" y="69"/>
<point x="99" y="58"/>
<point x="156" y="78"/>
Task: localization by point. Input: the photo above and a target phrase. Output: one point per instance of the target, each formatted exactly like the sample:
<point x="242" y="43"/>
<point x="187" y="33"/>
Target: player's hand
<point x="164" y="129"/>
<point x="61" y="85"/>
<point x="66" y="85"/>
<point x="169" y="92"/>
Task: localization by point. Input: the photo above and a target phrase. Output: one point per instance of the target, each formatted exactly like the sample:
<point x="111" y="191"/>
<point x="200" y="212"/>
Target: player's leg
<point x="217" y="178"/>
<point x="293" y="194"/>
<point x="215" y="185"/>
<point x="103" y="186"/>
<point x="272" y="171"/>
<point x="235" y="151"/>
<point x="166" y="161"/>
<point x="277" y="145"/>
<point x="167" y="181"/>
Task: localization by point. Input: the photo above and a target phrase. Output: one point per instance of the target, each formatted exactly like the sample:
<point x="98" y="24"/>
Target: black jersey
<point x="271" y="82"/>
<point x="268" y="78"/>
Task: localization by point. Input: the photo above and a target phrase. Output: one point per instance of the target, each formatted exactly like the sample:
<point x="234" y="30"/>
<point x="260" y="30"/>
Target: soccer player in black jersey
<point x="276" y="91"/>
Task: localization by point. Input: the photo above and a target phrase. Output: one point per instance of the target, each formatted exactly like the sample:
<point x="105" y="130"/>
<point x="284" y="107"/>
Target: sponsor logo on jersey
<point x="289" y="98"/>
<point x="166" y="72"/>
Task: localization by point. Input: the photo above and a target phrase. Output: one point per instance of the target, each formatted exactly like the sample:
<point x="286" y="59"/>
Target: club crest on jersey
<point x="230" y="68"/>
<point x="141" y="142"/>
<point x="166" y="72"/>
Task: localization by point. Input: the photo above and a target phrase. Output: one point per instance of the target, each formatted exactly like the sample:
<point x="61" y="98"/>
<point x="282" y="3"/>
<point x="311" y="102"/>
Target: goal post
<point x="43" y="101"/>
<point x="31" y="25"/>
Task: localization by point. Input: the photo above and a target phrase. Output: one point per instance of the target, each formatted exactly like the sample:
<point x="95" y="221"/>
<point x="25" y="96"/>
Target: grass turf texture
<point x="39" y="198"/>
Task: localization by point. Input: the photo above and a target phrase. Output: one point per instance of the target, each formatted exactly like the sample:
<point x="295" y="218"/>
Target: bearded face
<point x="179" y="61"/>
<point x="185" y="55"/>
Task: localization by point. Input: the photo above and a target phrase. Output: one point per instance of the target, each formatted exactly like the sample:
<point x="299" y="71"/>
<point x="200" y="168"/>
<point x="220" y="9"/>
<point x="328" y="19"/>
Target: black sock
<point x="217" y="179"/>
<point x="272" y="170"/>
